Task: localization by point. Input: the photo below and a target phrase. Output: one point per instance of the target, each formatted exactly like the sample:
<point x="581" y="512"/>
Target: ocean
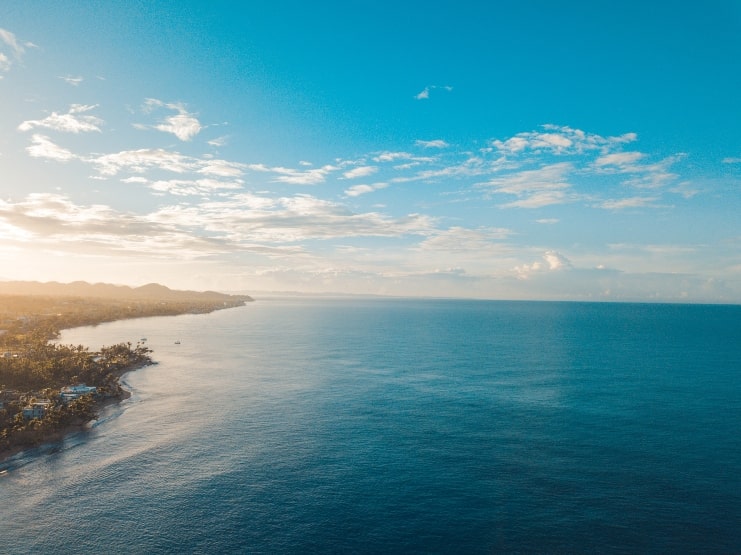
<point x="359" y="425"/>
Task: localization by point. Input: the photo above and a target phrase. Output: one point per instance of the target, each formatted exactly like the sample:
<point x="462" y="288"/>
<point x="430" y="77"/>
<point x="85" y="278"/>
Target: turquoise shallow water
<point x="402" y="426"/>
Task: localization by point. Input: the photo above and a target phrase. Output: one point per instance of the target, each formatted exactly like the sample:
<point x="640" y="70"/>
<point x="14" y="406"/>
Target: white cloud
<point x="221" y="168"/>
<point x="392" y="156"/>
<point x="74" y="121"/>
<point x="620" y="159"/>
<point x="74" y="81"/>
<point x="558" y="140"/>
<point x="246" y="217"/>
<point x="732" y="160"/>
<point x="43" y="147"/>
<point x="437" y="143"/>
<point x="219" y="141"/>
<point x="547" y="221"/>
<point x="296" y="177"/>
<point x="539" y="199"/>
<point x="556" y="261"/>
<point x="357" y="190"/>
<point x="141" y="160"/>
<point x="460" y="239"/>
<point x="10" y="43"/>
<point x="362" y="171"/>
<point x="424" y="94"/>
<point x="184" y="187"/>
<point x="471" y="166"/>
<point x="4" y="63"/>
<point x="631" y="202"/>
<point x="551" y="261"/>
<point x="184" y="125"/>
<point x="535" y="188"/>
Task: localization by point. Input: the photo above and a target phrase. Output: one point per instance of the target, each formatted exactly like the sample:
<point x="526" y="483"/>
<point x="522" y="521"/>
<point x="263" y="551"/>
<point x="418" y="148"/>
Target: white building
<point x="72" y="392"/>
<point x="36" y="410"/>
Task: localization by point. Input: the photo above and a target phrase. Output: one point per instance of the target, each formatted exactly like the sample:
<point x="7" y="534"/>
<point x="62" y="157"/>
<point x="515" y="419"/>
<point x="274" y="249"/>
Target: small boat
<point x="177" y="342"/>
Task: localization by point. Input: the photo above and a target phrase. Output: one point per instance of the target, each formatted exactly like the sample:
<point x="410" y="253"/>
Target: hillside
<point x="149" y="292"/>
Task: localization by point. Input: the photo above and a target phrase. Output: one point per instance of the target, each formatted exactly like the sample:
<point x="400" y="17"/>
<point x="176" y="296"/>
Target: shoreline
<point x="58" y="436"/>
<point x="32" y="366"/>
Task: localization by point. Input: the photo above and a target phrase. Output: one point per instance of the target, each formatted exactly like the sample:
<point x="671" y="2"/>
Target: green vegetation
<point x="33" y="369"/>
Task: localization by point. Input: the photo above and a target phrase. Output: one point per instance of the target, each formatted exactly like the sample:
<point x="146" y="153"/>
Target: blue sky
<point x="526" y="150"/>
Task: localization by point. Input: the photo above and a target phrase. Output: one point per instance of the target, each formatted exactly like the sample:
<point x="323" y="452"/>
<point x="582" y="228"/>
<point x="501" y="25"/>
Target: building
<point x="72" y="392"/>
<point x="36" y="409"/>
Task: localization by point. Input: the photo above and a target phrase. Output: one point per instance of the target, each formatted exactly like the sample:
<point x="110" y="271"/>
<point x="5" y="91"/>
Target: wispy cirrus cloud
<point x="76" y="120"/>
<point x="424" y="94"/>
<point x="362" y="171"/>
<point x="184" y="125"/>
<point x="11" y="49"/>
<point x="248" y="217"/>
<point x="437" y="143"/>
<point x="457" y="239"/>
<point x="74" y="81"/>
<point x="535" y="188"/>
<point x="629" y="202"/>
<point x="357" y="190"/>
<point x="43" y="147"/>
<point x="291" y="176"/>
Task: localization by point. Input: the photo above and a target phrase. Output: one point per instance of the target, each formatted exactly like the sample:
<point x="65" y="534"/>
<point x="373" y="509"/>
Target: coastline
<point x="57" y="436"/>
<point x="34" y="368"/>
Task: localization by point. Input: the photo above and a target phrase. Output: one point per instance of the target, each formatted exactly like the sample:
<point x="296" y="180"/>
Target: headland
<point x="48" y="390"/>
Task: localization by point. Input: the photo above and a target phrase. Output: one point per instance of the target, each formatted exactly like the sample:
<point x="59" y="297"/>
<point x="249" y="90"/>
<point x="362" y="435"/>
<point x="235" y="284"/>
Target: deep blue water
<point x="293" y="426"/>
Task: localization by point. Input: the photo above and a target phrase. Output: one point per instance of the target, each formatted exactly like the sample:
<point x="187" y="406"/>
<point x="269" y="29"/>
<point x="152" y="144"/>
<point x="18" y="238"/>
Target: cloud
<point x="539" y="199"/>
<point x="458" y="239"/>
<point x="362" y="171"/>
<point x="558" y="140"/>
<point x="631" y="202"/>
<point x="438" y="143"/>
<point x="547" y="221"/>
<point x="357" y="190"/>
<point x="247" y="217"/>
<point x="219" y="141"/>
<point x="392" y="156"/>
<point x="535" y="188"/>
<point x="471" y="166"/>
<point x="144" y="159"/>
<point x="312" y="176"/>
<point x="184" y="125"/>
<point x="74" y="121"/>
<point x="241" y="223"/>
<point x="43" y="147"/>
<point x="619" y="159"/>
<point x="424" y="94"/>
<point x="183" y="187"/>
<point x="74" y="81"/>
<point x="551" y="261"/>
<point x="732" y="160"/>
<point x="9" y="42"/>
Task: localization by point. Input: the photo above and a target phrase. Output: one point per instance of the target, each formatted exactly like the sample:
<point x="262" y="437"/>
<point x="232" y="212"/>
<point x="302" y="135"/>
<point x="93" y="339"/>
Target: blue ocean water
<point x="407" y="426"/>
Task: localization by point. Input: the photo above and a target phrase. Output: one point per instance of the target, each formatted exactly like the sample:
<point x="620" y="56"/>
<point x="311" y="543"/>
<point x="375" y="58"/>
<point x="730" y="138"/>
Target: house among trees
<point x="36" y="409"/>
<point x="72" y="392"/>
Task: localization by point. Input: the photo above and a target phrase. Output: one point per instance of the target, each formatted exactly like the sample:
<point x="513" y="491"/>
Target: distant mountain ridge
<point x="150" y="292"/>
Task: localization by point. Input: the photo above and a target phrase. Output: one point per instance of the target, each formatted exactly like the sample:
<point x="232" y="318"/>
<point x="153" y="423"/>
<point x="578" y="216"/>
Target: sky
<point x="502" y="150"/>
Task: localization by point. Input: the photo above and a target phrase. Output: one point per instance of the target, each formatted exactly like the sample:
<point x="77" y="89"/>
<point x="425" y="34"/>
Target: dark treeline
<point x="33" y="369"/>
